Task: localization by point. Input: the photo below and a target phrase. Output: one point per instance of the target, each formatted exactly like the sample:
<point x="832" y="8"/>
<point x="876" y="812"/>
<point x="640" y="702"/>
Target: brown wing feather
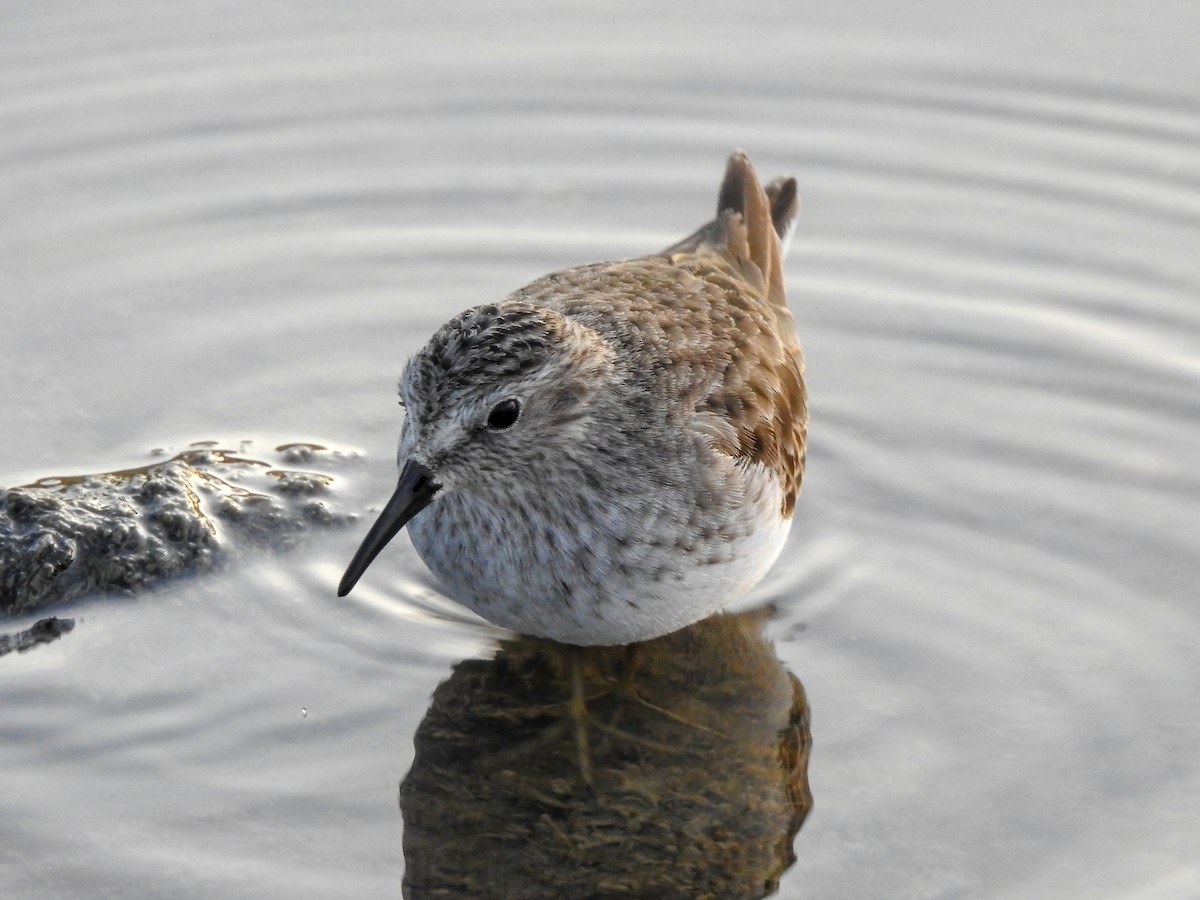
<point x="762" y="392"/>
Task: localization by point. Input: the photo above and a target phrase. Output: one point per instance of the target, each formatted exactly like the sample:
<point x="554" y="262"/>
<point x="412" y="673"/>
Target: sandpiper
<point x="613" y="451"/>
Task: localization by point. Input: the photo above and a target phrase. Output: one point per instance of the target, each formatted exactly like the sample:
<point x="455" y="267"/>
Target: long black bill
<point x="414" y="492"/>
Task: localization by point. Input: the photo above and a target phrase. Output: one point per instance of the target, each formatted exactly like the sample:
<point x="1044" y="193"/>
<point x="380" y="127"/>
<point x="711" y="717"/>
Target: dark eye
<point x="504" y="415"/>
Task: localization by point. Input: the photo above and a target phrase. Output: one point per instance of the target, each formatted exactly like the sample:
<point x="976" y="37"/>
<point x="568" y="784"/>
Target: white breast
<point x="551" y="574"/>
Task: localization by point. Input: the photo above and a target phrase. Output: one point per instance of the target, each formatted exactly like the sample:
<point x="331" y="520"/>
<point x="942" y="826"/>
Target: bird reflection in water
<point x="699" y="757"/>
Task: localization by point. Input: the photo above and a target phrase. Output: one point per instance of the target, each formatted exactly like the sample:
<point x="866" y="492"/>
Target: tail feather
<point x="746" y="210"/>
<point x="785" y="205"/>
<point x="752" y="227"/>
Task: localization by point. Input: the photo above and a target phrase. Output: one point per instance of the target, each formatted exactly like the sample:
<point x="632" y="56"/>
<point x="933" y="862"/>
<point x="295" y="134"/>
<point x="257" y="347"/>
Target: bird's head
<point x="497" y="392"/>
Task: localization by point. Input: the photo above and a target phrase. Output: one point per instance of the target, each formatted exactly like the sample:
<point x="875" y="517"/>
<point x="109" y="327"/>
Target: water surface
<point x="230" y="223"/>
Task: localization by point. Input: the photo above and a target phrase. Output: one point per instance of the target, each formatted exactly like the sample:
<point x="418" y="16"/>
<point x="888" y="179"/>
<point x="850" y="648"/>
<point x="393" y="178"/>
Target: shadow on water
<point x="699" y="748"/>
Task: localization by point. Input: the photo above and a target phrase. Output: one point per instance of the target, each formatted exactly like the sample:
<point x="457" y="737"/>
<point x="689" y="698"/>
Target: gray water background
<point x="235" y="222"/>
